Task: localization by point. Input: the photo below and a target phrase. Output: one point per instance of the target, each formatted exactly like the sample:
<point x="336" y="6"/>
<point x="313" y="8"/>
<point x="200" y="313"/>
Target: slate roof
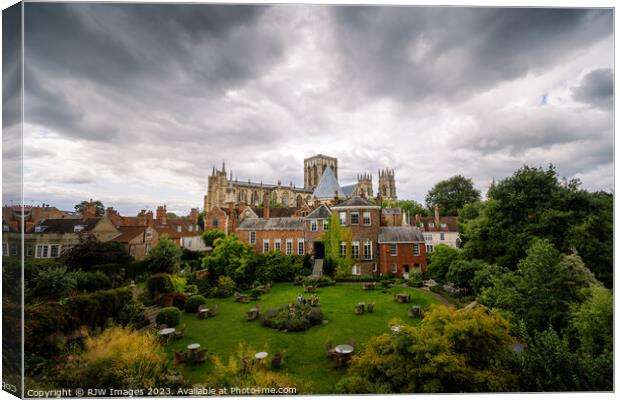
<point x="451" y="224"/>
<point x="328" y="186"/>
<point x="349" y="189"/>
<point x="289" y="224"/>
<point x="355" y="202"/>
<point x="322" y="212"/>
<point x="275" y="212"/>
<point x="270" y="186"/>
<point x="400" y="234"/>
<point x="64" y="225"/>
<point x="391" y="211"/>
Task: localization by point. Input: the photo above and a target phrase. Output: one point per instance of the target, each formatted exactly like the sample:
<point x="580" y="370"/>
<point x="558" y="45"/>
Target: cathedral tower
<point x="315" y="166"/>
<point x="387" y="184"/>
<point x="364" y="185"/>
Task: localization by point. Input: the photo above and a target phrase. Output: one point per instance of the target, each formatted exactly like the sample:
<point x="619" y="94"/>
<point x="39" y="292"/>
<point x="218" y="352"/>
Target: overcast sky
<point x="133" y="104"/>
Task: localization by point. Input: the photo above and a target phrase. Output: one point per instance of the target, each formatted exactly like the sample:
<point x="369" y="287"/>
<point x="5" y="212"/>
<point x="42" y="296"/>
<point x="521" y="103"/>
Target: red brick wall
<point x="222" y="217"/>
<point x="404" y="257"/>
<point x="272" y="235"/>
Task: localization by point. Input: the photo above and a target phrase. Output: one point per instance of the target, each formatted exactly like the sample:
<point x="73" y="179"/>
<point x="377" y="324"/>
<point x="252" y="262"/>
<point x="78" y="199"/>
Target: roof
<point x="355" y="202"/>
<point x="290" y="224"/>
<point x="128" y="233"/>
<point x="391" y="211"/>
<point x="269" y="186"/>
<point x="321" y="212"/>
<point x="400" y="234"/>
<point x="328" y="186"/>
<point x="451" y="224"/>
<point x="275" y="212"/>
<point x="349" y="189"/>
<point x="64" y="225"/>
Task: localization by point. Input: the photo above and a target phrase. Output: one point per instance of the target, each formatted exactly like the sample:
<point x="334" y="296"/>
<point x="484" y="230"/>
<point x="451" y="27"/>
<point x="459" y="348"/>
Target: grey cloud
<point x="596" y="88"/>
<point x="11" y="66"/>
<point x="413" y="53"/>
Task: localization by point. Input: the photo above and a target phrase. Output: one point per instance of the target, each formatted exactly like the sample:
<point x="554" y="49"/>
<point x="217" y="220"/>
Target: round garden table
<point x="166" y="331"/>
<point x="261" y="355"/>
<point x="344" y="349"/>
<point x="193" y="346"/>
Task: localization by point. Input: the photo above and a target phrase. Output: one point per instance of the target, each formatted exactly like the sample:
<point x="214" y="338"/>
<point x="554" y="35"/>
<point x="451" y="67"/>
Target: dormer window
<point x="5" y="228"/>
<point x="78" y="228"/>
<point x="191" y="228"/>
<point x="179" y="228"/>
<point x="39" y="228"/>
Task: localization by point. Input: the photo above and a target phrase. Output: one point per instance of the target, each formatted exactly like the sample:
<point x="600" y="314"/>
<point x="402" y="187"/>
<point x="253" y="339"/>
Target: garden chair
<point x="179" y="357"/>
<point x="201" y="311"/>
<point x="179" y="333"/>
<point x="331" y="351"/>
<point x="415" y="312"/>
<point x="163" y="326"/>
<point x="277" y="360"/>
<point x="370" y="307"/>
<point x="351" y="342"/>
<point x="337" y="361"/>
<point x="252" y="314"/>
<point x="212" y="311"/>
<point x="200" y="356"/>
<point x="359" y="309"/>
<point x="237" y="296"/>
<point x="246" y="366"/>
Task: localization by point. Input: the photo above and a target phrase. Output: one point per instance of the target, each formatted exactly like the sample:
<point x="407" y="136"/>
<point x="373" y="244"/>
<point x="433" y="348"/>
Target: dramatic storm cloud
<point x="133" y="104"/>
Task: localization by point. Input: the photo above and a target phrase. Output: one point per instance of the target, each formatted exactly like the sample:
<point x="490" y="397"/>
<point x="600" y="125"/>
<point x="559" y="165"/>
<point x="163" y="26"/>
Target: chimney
<point x="142" y="218"/>
<point x="335" y="197"/>
<point x="379" y="199"/>
<point x="89" y="210"/>
<point x="437" y="216"/>
<point x="110" y="211"/>
<point x="418" y="220"/>
<point x="193" y="215"/>
<point x="161" y="214"/>
<point x="149" y="218"/>
<point x="266" y="210"/>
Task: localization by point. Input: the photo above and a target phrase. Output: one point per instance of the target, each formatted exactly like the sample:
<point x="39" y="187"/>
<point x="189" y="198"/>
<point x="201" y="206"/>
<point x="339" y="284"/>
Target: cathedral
<point x="320" y="184"/>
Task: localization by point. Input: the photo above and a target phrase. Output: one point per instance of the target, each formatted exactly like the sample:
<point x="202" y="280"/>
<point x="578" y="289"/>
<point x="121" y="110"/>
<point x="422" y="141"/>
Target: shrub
<point x="292" y="317"/>
<point x="170" y="316"/>
<point x="133" y="313"/>
<point x="164" y="256"/>
<point x="179" y="283"/>
<point x="91" y="281"/>
<point x="174" y="299"/>
<point x="357" y="278"/>
<point x="415" y="283"/>
<point x="94" y="309"/>
<point x="317" y="281"/>
<point x="191" y="289"/>
<point x="315" y="316"/>
<point x="191" y="305"/>
<point x="297" y="324"/>
<point x="135" y="269"/>
<point x="226" y="286"/>
<point x="159" y="284"/>
<point x="53" y="282"/>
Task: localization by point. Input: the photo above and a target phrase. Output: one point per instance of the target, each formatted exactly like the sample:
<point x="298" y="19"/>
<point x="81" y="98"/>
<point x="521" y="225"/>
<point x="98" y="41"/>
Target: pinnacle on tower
<point x="213" y="174"/>
<point x="223" y="166"/>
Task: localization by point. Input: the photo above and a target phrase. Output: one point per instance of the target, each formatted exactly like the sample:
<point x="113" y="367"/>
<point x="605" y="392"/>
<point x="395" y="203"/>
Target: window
<point x="5" y="249"/>
<point x="366" y="218"/>
<point x="355" y="218"/>
<point x="149" y="235"/>
<point x="442" y="236"/>
<point x="368" y="250"/>
<point x="356" y="270"/>
<point x="325" y="225"/>
<point x="289" y="246"/>
<point x="416" y="249"/>
<point x="443" y="225"/>
<point x="42" y="251"/>
<point x="300" y="247"/>
<point x="265" y="245"/>
<point x="253" y="237"/>
<point x="343" y="217"/>
<point x="14" y="249"/>
<point x="277" y="245"/>
<point x="393" y="249"/>
<point x="429" y="248"/>
<point x="355" y="250"/>
<point x="343" y="249"/>
<point x="5" y="228"/>
<point x="190" y="228"/>
<point x="428" y="237"/>
<point x="29" y="250"/>
<point x="394" y="268"/>
<point x="178" y="228"/>
<point x="215" y="222"/>
<point x="374" y="267"/>
<point x="54" y="251"/>
<point x="39" y="228"/>
<point x="431" y="224"/>
<point x="132" y="251"/>
<point x="78" y="228"/>
<point x="313" y="225"/>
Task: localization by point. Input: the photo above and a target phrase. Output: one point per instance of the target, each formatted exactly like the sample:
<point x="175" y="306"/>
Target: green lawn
<point x="305" y="360"/>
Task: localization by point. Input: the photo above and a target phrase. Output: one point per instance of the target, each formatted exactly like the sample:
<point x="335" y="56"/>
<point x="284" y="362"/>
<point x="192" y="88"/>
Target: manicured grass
<point x="305" y="360"/>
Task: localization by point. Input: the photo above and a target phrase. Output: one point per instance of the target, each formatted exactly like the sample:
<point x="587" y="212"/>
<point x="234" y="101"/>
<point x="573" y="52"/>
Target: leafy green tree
<point x="99" y="208"/>
<point x="441" y="258"/>
<point x="201" y="220"/>
<point x="451" y="351"/>
<point x="164" y="256"/>
<point x="410" y="207"/>
<point x="462" y="272"/>
<point x="209" y="237"/>
<point x="452" y="194"/>
<point x="485" y="276"/>
<point x="593" y="320"/>
<point x="171" y="216"/>
<point x="233" y="258"/>
<point x="541" y="290"/>
<point x="53" y="283"/>
<point x="332" y="239"/>
<point x="90" y="252"/>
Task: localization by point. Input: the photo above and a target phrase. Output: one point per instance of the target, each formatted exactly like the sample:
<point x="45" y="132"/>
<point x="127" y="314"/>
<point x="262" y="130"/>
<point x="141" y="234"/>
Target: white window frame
<point x="5" y="249"/>
<point x="343" y="249"/>
<point x="277" y="245"/>
<point x="393" y="249"/>
<point x="57" y="251"/>
<point x="429" y="248"/>
<point x="314" y="226"/>
<point x="366" y="218"/>
<point x="252" y="238"/>
<point x="428" y="237"/>
<point x="342" y="216"/>
<point x="355" y="250"/>
<point x="265" y="245"/>
<point x="149" y="234"/>
<point x="301" y="247"/>
<point x="431" y="224"/>
<point x="14" y="249"/>
<point x="289" y="246"/>
<point x="357" y="216"/>
<point x="43" y="251"/>
<point x="416" y="249"/>
<point x="394" y="269"/>
<point x="442" y="236"/>
<point x="29" y="250"/>
<point x="356" y="270"/>
<point x="325" y="225"/>
<point x="368" y="246"/>
<point x="374" y="267"/>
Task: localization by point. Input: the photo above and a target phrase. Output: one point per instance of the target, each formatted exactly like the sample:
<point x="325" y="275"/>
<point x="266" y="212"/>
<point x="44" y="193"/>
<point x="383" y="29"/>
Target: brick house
<point x="401" y="250"/>
<point x="285" y="234"/>
<point x="439" y="230"/>
<point x="138" y="239"/>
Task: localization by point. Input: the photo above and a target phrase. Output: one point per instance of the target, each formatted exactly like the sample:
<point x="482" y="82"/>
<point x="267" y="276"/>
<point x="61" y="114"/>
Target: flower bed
<point x="293" y="317"/>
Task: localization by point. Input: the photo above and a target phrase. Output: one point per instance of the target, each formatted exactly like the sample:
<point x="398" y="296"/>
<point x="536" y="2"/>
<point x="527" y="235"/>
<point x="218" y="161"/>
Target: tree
<point x="441" y="258"/>
<point x="164" y="256"/>
<point x="211" y="236"/>
<point x="540" y="292"/>
<point x="593" y="320"/>
<point x="90" y="252"/>
<point x="233" y="258"/>
<point x="451" y="351"/>
<point x="331" y="239"/>
<point x="171" y="216"/>
<point x="53" y="283"/>
<point x="99" y="208"/>
<point x="452" y="194"/>
<point x="462" y="272"/>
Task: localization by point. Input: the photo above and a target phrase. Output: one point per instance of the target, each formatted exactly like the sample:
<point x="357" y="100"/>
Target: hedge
<point x="359" y="278"/>
<point x="170" y="316"/>
<point x="192" y="304"/>
<point x="160" y="284"/>
<point x="94" y="309"/>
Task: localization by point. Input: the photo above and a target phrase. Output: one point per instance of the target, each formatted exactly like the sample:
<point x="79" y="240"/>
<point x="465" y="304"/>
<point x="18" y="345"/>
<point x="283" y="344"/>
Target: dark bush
<point x="91" y="281"/>
<point x="315" y="316"/>
<point x="314" y="280"/>
<point x="191" y="305"/>
<point x="133" y="313"/>
<point x="172" y="300"/>
<point x="189" y="255"/>
<point x="170" y="316"/>
<point x="292" y="318"/>
<point x="90" y="252"/>
<point x="204" y="287"/>
<point x="159" y="284"/>
<point x="415" y="283"/>
<point x="297" y="324"/>
<point x="94" y="309"/>
<point x="358" y="278"/>
<point x="135" y="269"/>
